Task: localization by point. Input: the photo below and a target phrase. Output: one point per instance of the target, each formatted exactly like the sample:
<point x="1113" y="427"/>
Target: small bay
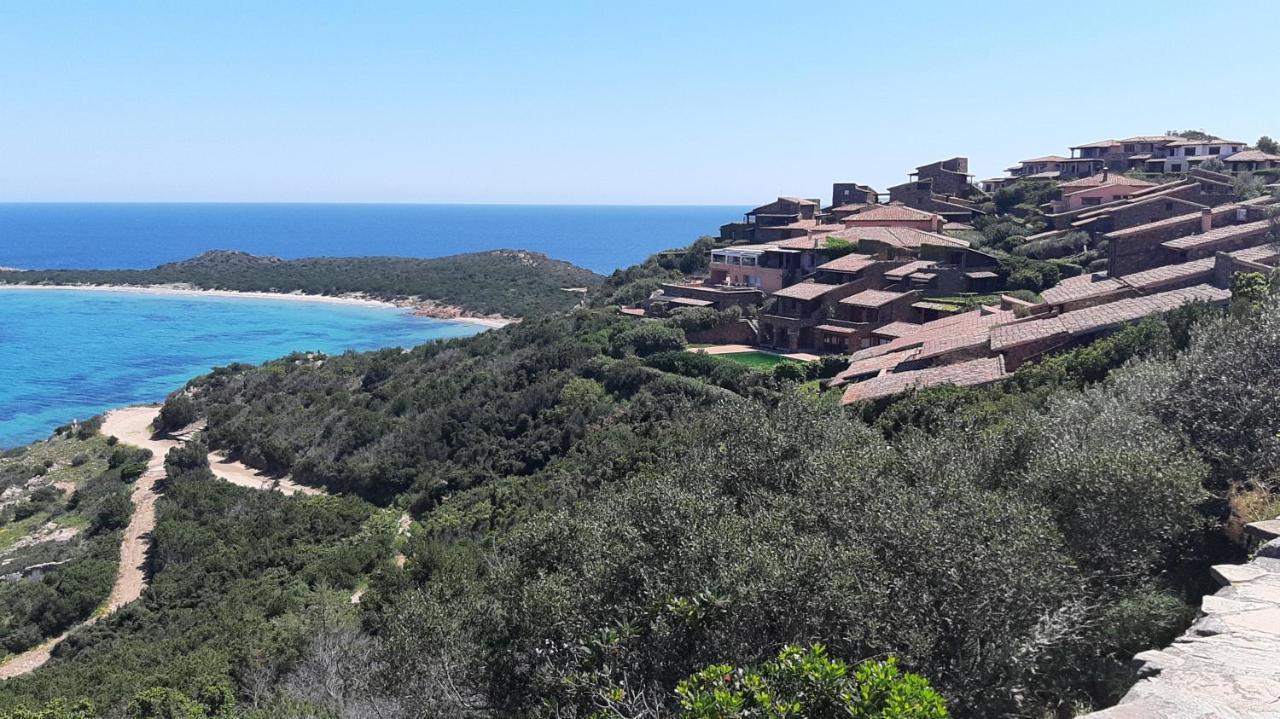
<point x="70" y="354"/>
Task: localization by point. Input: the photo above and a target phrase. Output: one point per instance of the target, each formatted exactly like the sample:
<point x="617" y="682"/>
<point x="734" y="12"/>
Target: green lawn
<point x="760" y="360"/>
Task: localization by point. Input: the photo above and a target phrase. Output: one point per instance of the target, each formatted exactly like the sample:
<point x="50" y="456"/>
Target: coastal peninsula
<point x="493" y="287"/>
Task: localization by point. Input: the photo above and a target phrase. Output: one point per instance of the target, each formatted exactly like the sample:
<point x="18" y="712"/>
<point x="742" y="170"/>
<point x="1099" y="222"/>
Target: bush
<point x="647" y="338"/>
<point x="178" y="412"/>
<point x="806" y="683"/>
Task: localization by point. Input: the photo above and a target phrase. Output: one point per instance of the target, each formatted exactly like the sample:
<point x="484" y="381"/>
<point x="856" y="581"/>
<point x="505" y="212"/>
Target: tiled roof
<point x="901" y="271"/>
<point x="1046" y="158"/>
<point x="1099" y="143"/>
<point x="1216" y="235"/>
<point x="837" y="329"/>
<point x="1107" y="178"/>
<point x="805" y="291"/>
<point x="1191" y="218"/>
<point x="957" y="227"/>
<point x="1026" y="331"/>
<point x="849" y="263"/>
<point x="904" y="237"/>
<point x="961" y="374"/>
<point x="1080" y="287"/>
<point x="799" y="200"/>
<point x="852" y="207"/>
<point x="1092" y="319"/>
<point x="1046" y="175"/>
<point x="1162" y="139"/>
<point x="813" y="242"/>
<point x="814" y="225"/>
<point x="1186" y="272"/>
<point x="1252" y="156"/>
<point x="872" y="298"/>
<point x="1184" y="142"/>
<point x="890" y="213"/>
<point x="943" y="335"/>
<point x="896" y="329"/>
<point x="1261" y="253"/>
<point x="873" y="365"/>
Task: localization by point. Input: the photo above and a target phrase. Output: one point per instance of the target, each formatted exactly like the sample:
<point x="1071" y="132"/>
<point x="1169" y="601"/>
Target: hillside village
<point x="944" y="280"/>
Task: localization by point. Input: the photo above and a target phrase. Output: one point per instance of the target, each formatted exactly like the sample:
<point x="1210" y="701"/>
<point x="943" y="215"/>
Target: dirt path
<point x="131" y="426"/>
<point x="246" y="476"/>
<point x="403" y="523"/>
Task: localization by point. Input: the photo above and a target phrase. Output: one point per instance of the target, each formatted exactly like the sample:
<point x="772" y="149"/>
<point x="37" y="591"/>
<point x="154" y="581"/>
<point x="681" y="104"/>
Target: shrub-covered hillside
<point x="507" y="282"/>
<point x="601" y="516"/>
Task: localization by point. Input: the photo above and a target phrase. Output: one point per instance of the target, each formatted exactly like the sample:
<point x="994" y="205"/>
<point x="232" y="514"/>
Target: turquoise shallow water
<point x="71" y="354"/>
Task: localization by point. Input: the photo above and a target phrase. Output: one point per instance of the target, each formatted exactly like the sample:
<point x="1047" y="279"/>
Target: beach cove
<point x="71" y="352"/>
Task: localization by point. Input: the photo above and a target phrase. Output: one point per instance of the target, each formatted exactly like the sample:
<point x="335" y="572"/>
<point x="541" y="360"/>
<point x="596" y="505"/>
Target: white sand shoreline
<point x="424" y="308"/>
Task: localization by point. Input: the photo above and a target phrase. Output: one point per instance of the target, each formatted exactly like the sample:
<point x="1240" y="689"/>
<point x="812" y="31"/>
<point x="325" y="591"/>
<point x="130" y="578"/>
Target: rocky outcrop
<point x="1227" y="665"/>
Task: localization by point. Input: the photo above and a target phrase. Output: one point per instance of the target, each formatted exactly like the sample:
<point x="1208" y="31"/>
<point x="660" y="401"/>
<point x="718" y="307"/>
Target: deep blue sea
<point x="70" y="354"/>
<point x="137" y="236"/>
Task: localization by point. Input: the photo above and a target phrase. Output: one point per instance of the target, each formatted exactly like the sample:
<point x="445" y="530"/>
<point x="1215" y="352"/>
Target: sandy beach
<point x="425" y="308"/>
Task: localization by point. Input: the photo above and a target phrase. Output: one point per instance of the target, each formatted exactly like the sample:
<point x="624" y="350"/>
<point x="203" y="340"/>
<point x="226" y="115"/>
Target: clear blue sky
<point x="595" y="102"/>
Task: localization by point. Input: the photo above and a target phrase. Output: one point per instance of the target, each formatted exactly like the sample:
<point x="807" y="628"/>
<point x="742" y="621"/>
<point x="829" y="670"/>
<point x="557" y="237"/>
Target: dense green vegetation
<point x="606" y="522"/>
<point x="59" y="544"/>
<point x="241" y="580"/>
<point x="507" y="282"/>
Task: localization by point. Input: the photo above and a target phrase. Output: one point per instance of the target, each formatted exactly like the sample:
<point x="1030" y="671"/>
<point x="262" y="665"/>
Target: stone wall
<point x="1228" y="663"/>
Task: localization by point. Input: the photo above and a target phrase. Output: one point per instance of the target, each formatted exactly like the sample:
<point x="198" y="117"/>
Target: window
<point x="1215" y="150"/>
<point x="1189" y="151"/>
<point x="1129" y="148"/>
<point x="1175" y="167"/>
<point x="1090" y="201"/>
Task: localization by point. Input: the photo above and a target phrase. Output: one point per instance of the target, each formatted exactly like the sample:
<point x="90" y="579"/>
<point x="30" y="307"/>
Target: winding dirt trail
<point x="130" y="426"/>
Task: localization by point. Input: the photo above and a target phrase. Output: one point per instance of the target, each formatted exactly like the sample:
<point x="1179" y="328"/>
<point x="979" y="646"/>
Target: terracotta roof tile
<point x="872" y="298"/>
<point x="943" y="335"/>
<point x="1217" y="235"/>
<point x="1081" y="287"/>
<point x="805" y="291"/>
<point x="961" y="374"/>
<point x="1252" y="156"/>
<point x="1099" y="317"/>
<point x="849" y="263"/>
<point x="896" y="329"/>
<point x="1189" y="218"/>
<point x="873" y="365"/>
<point x="889" y="213"/>
<point x="1107" y="178"/>
<point x="901" y="271"/>
<point x="904" y="237"/>
<point x="1192" y="272"/>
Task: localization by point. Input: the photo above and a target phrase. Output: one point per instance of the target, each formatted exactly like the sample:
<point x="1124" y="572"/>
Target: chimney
<point x="1206" y="220"/>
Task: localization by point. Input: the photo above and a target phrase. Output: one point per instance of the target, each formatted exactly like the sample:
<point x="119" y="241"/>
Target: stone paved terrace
<point x="1227" y="665"/>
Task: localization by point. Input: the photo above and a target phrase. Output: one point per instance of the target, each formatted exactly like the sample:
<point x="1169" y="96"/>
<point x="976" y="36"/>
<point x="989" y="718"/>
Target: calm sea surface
<point x="69" y="355"/>
<point x="136" y="236"/>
